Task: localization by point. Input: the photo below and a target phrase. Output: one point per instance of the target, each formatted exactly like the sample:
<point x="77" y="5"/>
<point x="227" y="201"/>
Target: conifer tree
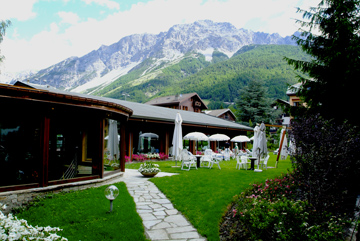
<point x="253" y="104"/>
<point x="333" y="73"/>
<point x="3" y="26"/>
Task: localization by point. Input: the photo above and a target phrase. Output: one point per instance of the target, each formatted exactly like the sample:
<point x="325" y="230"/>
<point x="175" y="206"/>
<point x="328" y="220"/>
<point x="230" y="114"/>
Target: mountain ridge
<point x="101" y="67"/>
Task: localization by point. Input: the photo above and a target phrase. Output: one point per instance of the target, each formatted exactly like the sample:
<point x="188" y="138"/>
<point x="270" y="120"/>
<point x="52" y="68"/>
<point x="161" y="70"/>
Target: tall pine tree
<point x="253" y="104"/>
<point x="334" y="71"/>
<point x="3" y="26"/>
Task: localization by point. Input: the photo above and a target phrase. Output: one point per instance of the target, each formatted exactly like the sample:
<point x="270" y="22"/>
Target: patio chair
<point x="207" y="157"/>
<point x="244" y="162"/>
<point x="264" y="161"/>
<point x="227" y="154"/>
<point x="238" y="162"/>
<point x="215" y="159"/>
<point x="187" y="160"/>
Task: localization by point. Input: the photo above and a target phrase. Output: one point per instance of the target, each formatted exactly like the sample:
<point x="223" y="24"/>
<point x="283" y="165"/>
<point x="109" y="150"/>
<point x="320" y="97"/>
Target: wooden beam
<point x="122" y="144"/>
<point x="98" y="146"/>
<point x="281" y="143"/>
<point x="280" y="126"/>
<point x="44" y="145"/>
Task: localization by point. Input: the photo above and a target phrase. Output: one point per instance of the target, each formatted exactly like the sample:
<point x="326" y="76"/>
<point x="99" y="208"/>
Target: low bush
<point x="12" y="228"/>
<point x="144" y="157"/>
<point x="271" y="211"/>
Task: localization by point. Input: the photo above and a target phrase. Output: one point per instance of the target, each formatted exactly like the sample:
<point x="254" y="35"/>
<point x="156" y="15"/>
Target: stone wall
<point x="15" y="199"/>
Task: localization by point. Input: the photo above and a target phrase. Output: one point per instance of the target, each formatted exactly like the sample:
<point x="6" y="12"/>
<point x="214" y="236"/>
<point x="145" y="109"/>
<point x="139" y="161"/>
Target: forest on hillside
<point x="217" y="81"/>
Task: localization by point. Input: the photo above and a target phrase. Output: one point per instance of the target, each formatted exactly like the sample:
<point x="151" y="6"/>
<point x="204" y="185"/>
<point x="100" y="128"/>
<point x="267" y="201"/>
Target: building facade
<point x="188" y="102"/>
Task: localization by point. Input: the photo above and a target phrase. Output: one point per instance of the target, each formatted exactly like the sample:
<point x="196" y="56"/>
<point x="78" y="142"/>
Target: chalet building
<point x="44" y="131"/>
<point x="188" y="102"/>
<point x="226" y="114"/>
<point x="294" y="100"/>
<point x="285" y="119"/>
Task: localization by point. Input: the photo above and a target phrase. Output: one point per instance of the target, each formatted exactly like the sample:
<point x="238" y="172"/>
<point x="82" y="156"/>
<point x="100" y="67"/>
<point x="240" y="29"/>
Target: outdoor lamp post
<point x="111" y="192"/>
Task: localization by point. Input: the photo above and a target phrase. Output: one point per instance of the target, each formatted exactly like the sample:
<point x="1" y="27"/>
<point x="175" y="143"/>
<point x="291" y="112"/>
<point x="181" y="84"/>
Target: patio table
<point x="198" y="157"/>
<point x="252" y="159"/>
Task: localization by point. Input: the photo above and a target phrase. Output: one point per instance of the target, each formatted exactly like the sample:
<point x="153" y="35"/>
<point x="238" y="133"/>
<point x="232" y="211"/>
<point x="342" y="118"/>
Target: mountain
<point x="218" y="81"/>
<point x="139" y="58"/>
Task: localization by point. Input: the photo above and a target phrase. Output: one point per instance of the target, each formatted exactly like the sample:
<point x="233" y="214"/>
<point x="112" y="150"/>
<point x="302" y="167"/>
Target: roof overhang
<point x="44" y="96"/>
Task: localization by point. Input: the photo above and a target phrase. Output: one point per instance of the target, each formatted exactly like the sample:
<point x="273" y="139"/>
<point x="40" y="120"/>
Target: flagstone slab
<point x="178" y="220"/>
<point x="151" y="223"/>
<point x="160" y="219"/>
<point x="181" y="229"/>
<point x="158" y="234"/>
<point x="184" y="235"/>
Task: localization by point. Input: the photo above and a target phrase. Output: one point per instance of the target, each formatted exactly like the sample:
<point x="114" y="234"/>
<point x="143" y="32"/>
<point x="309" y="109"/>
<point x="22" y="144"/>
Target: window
<point x="19" y="150"/>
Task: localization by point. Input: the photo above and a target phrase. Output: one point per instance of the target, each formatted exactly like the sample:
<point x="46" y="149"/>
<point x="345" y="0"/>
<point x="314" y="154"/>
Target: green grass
<point x="203" y="195"/>
<point x="83" y="215"/>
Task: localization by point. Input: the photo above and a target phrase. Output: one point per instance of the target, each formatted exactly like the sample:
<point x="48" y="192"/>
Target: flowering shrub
<point x="286" y="219"/>
<point x="127" y="159"/>
<point x="163" y="156"/>
<point x="152" y="156"/>
<point x="272" y="211"/>
<point x="12" y="228"/>
<point x="149" y="167"/>
<point x="144" y="157"/>
<point x="139" y="157"/>
<point x="275" y="188"/>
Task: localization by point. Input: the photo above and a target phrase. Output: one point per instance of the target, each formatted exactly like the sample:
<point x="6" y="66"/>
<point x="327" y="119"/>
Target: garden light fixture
<point x="111" y="192"/>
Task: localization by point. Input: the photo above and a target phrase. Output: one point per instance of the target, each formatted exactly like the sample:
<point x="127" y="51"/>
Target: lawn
<point x="203" y="195"/>
<point x="83" y="215"/>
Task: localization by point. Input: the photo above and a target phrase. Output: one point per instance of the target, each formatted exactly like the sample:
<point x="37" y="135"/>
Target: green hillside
<point x="218" y="80"/>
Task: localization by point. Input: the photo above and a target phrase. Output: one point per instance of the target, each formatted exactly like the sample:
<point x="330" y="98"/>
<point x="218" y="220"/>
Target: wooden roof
<point x="149" y="113"/>
<point x="219" y="112"/>
<point x="29" y="93"/>
<point x="175" y="99"/>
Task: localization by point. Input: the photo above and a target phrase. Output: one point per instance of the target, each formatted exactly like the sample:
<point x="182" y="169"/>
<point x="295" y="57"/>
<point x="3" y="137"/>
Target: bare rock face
<point x="200" y="36"/>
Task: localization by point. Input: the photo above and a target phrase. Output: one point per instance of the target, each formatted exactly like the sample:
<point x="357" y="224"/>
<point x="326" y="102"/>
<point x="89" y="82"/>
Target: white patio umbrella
<point x="260" y="149"/>
<point x="113" y="140"/>
<point x="107" y="137"/>
<point x="151" y="135"/>
<point x="240" y="138"/>
<point x="219" y="137"/>
<point x="255" y="140"/>
<point x="196" y="136"/>
<point x="177" y="141"/>
<point x="284" y="147"/>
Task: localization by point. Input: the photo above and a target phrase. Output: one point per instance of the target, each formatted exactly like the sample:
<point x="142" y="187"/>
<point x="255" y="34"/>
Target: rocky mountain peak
<point x="106" y="64"/>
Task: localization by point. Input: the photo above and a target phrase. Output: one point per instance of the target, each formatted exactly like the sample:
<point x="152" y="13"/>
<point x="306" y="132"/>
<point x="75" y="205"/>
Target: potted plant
<point x="149" y="169"/>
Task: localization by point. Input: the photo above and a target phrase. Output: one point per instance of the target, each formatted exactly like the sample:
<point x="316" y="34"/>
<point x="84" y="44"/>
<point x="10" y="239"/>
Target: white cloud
<point x="49" y="47"/>
<point x="109" y="4"/>
<point x="19" y="9"/>
<point x="69" y="17"/>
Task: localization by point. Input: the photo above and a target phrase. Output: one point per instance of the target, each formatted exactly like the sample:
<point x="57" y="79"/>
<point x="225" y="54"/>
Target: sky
<point x="45" y="32"/>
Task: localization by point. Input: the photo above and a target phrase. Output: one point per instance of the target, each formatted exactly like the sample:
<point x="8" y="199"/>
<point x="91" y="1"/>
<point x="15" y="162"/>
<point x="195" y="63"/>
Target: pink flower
<point x="234" y="212"/>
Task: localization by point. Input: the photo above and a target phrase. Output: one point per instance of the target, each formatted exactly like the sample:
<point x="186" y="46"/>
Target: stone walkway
<point x="160" y="219"/>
